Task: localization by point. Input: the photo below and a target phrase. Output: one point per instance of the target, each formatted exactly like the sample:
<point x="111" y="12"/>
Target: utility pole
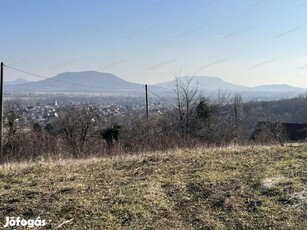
<point x="146" y="96"/>
<point x="1" y="109"/>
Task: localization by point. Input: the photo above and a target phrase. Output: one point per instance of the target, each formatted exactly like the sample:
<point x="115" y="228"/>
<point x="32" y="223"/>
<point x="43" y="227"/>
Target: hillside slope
<point x="85" y="81"/>
<point x="208" y="83"/>
<point x="277" y="88"/>
<point x="227" y="188"/>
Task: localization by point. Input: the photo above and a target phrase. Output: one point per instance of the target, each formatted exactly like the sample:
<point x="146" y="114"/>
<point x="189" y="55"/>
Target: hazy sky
<point x="248" y="42"/>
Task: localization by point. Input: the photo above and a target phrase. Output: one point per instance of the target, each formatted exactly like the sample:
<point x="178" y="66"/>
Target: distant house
<point x="288" y="131"/>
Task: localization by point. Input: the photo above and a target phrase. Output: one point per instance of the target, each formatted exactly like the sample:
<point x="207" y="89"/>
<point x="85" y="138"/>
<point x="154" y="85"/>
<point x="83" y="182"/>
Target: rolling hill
<point x="277" y="88"/>
<point x="216" y="83"/>
<point x="87" y="81"/>
<point x="92" y="81"/>
<point x="209" y="83"/>
<point x="16" y="82"/>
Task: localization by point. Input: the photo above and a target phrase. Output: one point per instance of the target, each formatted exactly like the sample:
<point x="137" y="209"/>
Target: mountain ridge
<point x="93" y="81"/>
<point x="212" y="83"/>
<point x="208" y="83"/>
<point x="277" y="87"/>
<point x="16" y="82"/>
<point x="83" y="81"/>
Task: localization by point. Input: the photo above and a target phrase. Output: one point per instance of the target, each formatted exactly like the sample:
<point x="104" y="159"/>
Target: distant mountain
<point x="87" y="81"/>
<point x="215" y="83"/>
<point x="209" y="83"/>
<point x="277" y="88"/>
<point x="16" y="82"/>
<point x="92" y="81"/>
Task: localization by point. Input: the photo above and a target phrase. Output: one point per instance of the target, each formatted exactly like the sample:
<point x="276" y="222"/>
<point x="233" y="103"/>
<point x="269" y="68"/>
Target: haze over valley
<point x="100" y="82"/>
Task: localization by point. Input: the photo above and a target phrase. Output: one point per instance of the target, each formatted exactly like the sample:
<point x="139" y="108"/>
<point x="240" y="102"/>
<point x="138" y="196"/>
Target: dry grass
<point x="218" y="188"/>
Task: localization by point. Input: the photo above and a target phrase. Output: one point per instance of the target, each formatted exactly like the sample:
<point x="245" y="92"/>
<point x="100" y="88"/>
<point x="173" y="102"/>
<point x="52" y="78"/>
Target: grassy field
<point x="219" y="188"/>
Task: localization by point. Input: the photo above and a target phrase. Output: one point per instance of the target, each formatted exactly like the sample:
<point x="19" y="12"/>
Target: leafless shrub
<point x="78" y="127"/>
<point x="270" y="133"/>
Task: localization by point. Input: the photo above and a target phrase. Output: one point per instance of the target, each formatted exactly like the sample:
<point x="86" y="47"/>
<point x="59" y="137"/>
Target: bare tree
<point x="226" y="118"/>
<point x="12" y="129"/>
<point x="187" y="98"/>
<point x="237" y="107"/>
<point x="77" y="125"/>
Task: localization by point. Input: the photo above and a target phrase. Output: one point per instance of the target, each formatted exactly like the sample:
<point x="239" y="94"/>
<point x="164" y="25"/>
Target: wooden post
<point x="1" y="109"/>
<point x="146" y="96"/>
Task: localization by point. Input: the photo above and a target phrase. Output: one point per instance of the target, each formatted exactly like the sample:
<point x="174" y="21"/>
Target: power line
<point x="155" y="94"/>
